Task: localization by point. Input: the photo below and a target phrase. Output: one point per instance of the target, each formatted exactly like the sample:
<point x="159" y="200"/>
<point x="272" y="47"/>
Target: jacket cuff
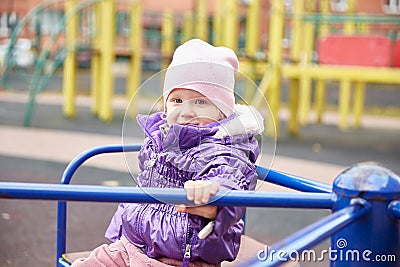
<point x="226" y="217"/>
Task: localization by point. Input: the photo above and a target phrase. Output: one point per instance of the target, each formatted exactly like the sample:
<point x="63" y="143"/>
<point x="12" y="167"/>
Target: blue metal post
<point x="373" y="240"/>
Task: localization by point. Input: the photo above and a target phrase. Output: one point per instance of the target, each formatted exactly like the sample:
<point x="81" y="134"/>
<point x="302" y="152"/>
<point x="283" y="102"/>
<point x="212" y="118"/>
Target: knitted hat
<point x="209" y="70"/>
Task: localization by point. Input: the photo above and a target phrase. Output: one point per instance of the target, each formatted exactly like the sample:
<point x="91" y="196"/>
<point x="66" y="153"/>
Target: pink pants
<point x="124" y="253"/>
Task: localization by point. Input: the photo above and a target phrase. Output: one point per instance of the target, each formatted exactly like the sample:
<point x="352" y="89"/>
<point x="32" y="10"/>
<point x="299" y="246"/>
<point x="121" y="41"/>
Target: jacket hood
<point x="247" y="120"/>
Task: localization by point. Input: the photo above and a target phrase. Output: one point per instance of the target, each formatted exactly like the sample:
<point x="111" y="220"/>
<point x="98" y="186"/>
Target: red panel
<point x="396" y="54"/>
<point x="355" y="50"/>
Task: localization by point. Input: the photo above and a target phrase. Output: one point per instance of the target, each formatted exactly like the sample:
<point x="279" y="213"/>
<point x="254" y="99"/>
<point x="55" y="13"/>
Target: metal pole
<point x="167" y="38"/>
<point x="95" y="68"/>
<point x="69" y="69"/>
<point x="320" y="86"/>
<point x="292" y="181"/>
<point x="230" y="25"/>
<point x="276" y="26"/>
<point x="92" y="193"/>
<point x="187" y="27"/>
<point x="252" y="45"/>
<point x="107" y="59"/>
<point x="217" y="23"/>
<point x="80" y="159"/>
<point x="253" y="28"/>
<point x="305" y="83"/>
<point x="135" y="70"/>
<point x="201" y="16"/>
<point x="295" y="47"/>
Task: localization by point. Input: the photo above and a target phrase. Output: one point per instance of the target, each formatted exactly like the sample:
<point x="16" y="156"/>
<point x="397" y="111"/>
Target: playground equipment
<point x="363" y="226"/>
<point x="303" y="70"/>
<point x="311" y="60"/>
<point x="103" y="58"/>
<point x="102" y="54"/>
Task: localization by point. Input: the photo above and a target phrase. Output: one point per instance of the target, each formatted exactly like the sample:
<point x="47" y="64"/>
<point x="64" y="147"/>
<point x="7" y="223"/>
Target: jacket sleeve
<point x="235" y="171"/>
<point x="114" y="230"/>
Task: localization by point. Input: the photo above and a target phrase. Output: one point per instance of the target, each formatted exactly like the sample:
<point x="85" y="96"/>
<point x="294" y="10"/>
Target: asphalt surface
<point x="28" y="228"/>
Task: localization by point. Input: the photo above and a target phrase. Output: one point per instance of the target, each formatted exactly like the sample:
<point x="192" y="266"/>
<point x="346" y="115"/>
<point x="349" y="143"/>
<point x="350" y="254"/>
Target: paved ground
<point x="40" y="154"/>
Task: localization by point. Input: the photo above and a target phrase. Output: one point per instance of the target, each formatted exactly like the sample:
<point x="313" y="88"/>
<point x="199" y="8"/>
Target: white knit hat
<point x="209" y="70"/>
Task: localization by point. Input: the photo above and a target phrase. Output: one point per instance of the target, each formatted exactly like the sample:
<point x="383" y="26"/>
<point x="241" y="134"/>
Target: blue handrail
<point x="68" y="192"/>
<point x="95" y="193"/>
<point x="81" y="158"/>
<point x="292" y="181"/>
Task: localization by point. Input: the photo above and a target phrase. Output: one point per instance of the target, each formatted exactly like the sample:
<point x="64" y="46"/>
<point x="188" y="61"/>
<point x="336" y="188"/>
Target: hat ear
<point x="233" y="61"/>
<point x="226" y="56"/>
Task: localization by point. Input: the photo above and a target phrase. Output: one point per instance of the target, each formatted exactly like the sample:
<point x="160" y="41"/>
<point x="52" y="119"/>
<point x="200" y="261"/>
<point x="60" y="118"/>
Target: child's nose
<point x="187" y="110"/>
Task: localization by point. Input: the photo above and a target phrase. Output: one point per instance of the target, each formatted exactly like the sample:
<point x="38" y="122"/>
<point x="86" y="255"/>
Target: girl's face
<point x="185" y="106"/>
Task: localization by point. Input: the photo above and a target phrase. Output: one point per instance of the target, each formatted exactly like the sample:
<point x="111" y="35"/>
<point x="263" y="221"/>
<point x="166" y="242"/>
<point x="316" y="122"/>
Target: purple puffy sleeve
<point x="114" y="230"/>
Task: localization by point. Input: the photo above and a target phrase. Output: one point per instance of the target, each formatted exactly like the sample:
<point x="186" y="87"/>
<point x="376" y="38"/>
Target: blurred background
<point x="326" y="77"/>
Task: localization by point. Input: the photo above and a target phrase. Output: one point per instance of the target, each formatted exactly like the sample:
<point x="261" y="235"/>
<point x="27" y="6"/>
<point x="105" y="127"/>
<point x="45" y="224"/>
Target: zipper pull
<point x="152" y="161"/>
<point x="186" y="256"/>
<point x="187" y="251"/>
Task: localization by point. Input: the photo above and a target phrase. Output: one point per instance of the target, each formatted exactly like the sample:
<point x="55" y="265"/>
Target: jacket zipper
<point x="188" y="246"/>
<point x="151" y="162"/>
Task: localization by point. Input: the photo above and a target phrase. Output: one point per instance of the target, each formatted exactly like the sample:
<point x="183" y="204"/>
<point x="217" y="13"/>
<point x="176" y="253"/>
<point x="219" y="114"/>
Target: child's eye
<point x="177" y="100"/>
<point x="201" y="101"/>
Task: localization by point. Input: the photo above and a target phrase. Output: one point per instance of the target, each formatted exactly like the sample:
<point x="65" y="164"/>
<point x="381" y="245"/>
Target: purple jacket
<point x="170" y="157"/>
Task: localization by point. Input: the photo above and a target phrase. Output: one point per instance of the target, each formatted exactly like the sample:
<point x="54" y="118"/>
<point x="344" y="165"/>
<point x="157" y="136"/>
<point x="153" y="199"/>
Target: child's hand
<point x="200" y="192"/>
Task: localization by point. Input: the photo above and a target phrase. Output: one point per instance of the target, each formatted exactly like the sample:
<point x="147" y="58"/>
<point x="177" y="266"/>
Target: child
<point x="202" y="142"/>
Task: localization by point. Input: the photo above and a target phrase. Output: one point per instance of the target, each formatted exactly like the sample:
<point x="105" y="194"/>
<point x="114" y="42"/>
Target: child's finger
<point x="190" y="190"/>
<point x="180" y="208"/>
<point x="214" y="188"/>
<point x="198" y="192"/>
<point x="206" y="192"/>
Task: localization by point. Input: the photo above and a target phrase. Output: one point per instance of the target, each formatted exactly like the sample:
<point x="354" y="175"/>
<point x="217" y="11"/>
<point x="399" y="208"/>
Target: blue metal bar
<point x="165" y="195"/>
<point x="394" y="209"/>
<point x="66" y="179"/>
<point x="313" y="234"/>
<point x="292" y="181"/>
<point x="81" y="158"/>
<point x="61" y="228"/>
